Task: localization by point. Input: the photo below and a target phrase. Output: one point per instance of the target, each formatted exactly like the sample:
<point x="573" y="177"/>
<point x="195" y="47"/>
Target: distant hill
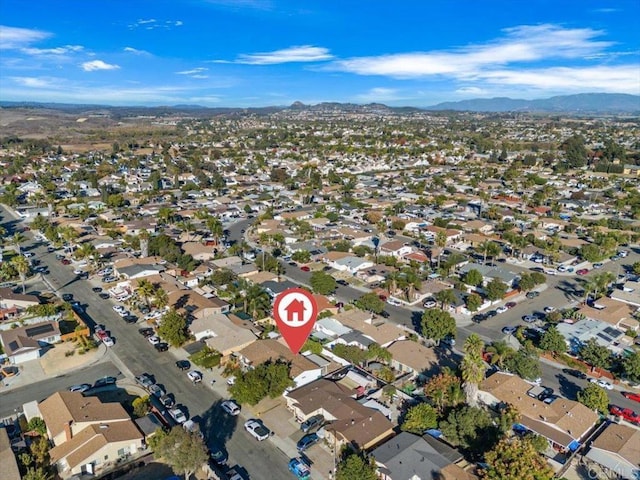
<point x="580" y="103"/>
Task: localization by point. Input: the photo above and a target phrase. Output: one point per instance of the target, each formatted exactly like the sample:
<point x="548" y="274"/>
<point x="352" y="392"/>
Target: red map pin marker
<point x="295" y="311"/>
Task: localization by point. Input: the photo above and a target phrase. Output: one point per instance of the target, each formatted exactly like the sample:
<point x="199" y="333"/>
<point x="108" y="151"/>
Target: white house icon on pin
<point x="295" y="313"/>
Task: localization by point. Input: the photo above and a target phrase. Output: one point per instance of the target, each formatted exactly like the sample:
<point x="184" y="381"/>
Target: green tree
<point x="473" y="278"/>
<point x="36" y="424"/>
<point x="467" y="427"/>
<point x="36" y="473"/>
<point x="594" y="397"/>
<point x="516" y="459"/>
<point x="472" y="367"/>
<point x="631" y="366"/>
<point x="596" y="355"/>
<point x="438" y="325"/>
<point x="146" y="290"/>
<point x="301" y="256"/>
<point x="267" y="379"/>
<point x="351" y="353"/>
<point x="500" y="353"/>
<point x="173" y="328"/>
<point x="322" y="283"/>
<point x="356" y="467"/>
<point x="473" y="302"/>
<point x="183" y="450"/>
<point x="370" y="302"/>
<point x="524" y="363"/>
<point x="526" y="282"/>
<point x="496" y="289"/>
<point x="312" y="346"/>
<point x="553" y="341"/>
<point x="444" y="390"/>
<point x="445" y="297"/>
<point x="419" y="418"/>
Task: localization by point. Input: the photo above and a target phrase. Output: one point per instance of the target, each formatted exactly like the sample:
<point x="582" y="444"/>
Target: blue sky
<point x="271" y="52"/>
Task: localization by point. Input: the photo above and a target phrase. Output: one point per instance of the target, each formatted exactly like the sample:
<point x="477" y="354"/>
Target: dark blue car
<point x="308" y="440"/>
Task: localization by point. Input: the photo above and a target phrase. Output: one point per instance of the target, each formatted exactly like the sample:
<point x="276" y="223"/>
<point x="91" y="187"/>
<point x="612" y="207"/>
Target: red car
<point x="304" y="268"/>
<point x="626" y="413"/>
<point x="65" y="261"/>
<point x="632" y="396"/>
<point x="582" y="271"/>
<point x="510" y="304"/>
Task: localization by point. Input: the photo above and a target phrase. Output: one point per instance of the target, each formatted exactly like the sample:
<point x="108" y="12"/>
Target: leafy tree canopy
<point x="184" y="451"/>
<point x="370" y="302"/>
<point x="267" y="379"/>
<point x="322" y="283"/>
<point x="419" y="418"/>
<point x="516" y="459"/>
<point x="173" y="328"/>
<point x="355" y="467"/>
<point x="594" y="397"/>
<point x="438" y="324"/>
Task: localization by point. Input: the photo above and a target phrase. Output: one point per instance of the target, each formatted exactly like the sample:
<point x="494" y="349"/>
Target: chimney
<point x="67" y="430"/>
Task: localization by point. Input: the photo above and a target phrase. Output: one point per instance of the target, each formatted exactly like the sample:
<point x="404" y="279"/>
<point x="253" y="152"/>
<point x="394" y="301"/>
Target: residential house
<point x="194" y="305"/>
<point x="490" y="273"/>
<point x="199" y="251"/>
<point x="395" y="248"/>
<point x="613" y="312"/>
<point x="478" y="226"/>
<point x="27" y="342"/>
<point x="222" y="335"/>
<point x="137" y="270"/>
<point x="351" y="264"/>
<point x="302" y="370"/>
<point x="628" y="293"/>
<point x="577" y="334"/>
<point x="380" y="331"/>
<point x="565" y="423"/>
<point x="276" y="288"/>
<point x="413" y="358"/>
<point x="9" y="299"/>
<point x="411" y="457"/>
<point x="616" y="450"/>
<point x="10" y="470"/>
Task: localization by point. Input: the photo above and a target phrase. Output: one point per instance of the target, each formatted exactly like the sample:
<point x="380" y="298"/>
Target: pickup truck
<point x="625" y="413"/>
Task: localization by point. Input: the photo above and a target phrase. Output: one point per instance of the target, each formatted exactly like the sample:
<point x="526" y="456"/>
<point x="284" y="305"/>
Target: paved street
<point x="132" y="355"/>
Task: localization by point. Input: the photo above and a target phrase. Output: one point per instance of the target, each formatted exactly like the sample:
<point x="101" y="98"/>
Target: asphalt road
<point x="133" y="355"/>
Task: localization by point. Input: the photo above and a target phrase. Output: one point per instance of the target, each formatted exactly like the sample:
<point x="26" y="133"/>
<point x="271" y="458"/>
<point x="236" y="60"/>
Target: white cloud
<point x="199" y="76"/>
<point x="625" y="78"/>
<point x="192" y="71"/>
<point x="471" y="91"/>
<point x="33" y="82"/>
<point x="135" y="51"/>
<point x="178" y="23"/>
<point x="302" y="53"/>
<point x="53" y="51"/>
<point x="380" y="94"/>
<point x="98" y="65"/>
<point x="526" y="43"/>
<point x="12" y="37"/>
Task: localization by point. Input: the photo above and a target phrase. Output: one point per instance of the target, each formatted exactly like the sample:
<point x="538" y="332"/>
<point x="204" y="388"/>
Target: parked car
<point x="626" y="413"/>
<point x="161" y="347"/>
<point x="394" y="302"/>
<point x="549" y="309"/>
<point x="230" y="407"/>
<point x="305" y="268"/>
<point x="479" y="317"/>
<point x="156" y="390"/>
<point x="300" y="469"/>
<point x="311" y="422"/>
<point x="178" y="415"/>
<point x="598" y="265"/>
<point x="307" y="441"/>
<point x="82" y="387"/>
<point x="146" y="332"/>
<point x="104" y="296"/>
<point x="510" y="305"/>
<point x="509" y="330"/>
<point x="67" y="297"/>
<point x="532" y="294"/>
<point x="601" y="383"/>
<point x="130" y="318"/>
<point x="231" y="380"/>
<point x="429" y="303"/>
<point x="104" y="381"/>
<point x="344" y="283"/>
<point x="218" y="454"/>
<point x="119" y="308"/>
<point x="632" y="396"/>
<point x="144" y="380"/>
<point x="582" y="271"/>
<point x="108" y="341"/>
<point x="154" y="339"/>
<point x="575" y="373"/>
<point x="502" y="309"/>
<point x="167" y="401"/>
<point x="97" y="289"/>
<point x="256" y="429"/>
<point x="195" y="376"/>
<point x="183" y="364"/>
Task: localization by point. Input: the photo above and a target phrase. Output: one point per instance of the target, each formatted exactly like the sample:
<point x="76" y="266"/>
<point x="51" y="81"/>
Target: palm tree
<point x="22" y="266"/>
<point x="160" y="298"/>
<point x="17" y="240"/>
<point x="602" y="281"/>
<point x="441" y="241"/>
<point x="86" y="250"/>
<point x="165" y="215"/>
<point x="256" y="301"/>
<point x="500" y="352"/>
<point x="188" y="227"/>
<point x="214" y="225"/>
<point x="446" y="297"/>
<point x="69" y="235"/>
<point x="472" y="367"/>
<point x="146" y="290"/>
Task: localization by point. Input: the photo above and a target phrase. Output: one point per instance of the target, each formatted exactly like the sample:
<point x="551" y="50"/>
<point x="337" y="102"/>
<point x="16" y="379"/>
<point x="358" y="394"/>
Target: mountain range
<point x="579" y="104"/>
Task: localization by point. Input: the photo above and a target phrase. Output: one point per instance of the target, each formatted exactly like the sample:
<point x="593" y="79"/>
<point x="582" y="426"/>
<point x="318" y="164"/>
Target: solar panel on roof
<point x="39" y="330"/>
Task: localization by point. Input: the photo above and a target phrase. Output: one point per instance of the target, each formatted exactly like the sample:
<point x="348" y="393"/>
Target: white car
<point x="108" y="341"/>
<point x="119" y="308"/>
<point x="549" y="309"/>
<point x="178" y="415"/>
<point x="230" y="407"/>
<point x="394" y="302"/>
<point x="156" y="390"/>
<point x="601" y="383"/>
<point x="152" y="315"/>
<point x="501" y="309"/>
<point x="195" y="376"/>
<point x="231" y="380"/>
<point x="257" y="430"/>
<point x="154" y="339"/>
<point x="28" y="254"/>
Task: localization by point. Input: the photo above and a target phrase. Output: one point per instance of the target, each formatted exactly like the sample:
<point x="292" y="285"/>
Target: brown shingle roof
<point x="263" y="350"/>
<point x="619" y="439"/>
<point x="414" y="355"/>
<point x="63" y="407"/>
